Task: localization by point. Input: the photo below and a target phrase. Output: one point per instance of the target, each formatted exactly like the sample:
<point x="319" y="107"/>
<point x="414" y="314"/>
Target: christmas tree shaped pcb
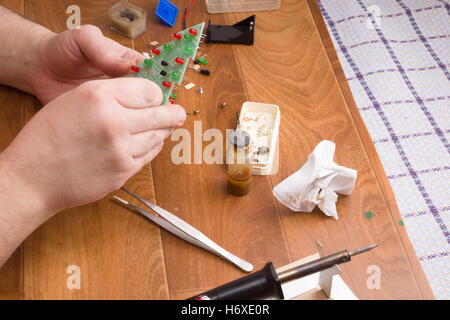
<point x="169" y="61"/>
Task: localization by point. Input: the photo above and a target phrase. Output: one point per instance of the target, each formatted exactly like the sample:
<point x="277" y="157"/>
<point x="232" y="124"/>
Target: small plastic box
<point x="221" y="6"/>
<point x="262" y="122"/>
<point x="128" y="19"/>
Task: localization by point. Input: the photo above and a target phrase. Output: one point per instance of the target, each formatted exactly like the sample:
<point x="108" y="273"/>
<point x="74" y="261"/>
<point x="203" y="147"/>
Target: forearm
<point x="21" y="210"/>
<point x="20" y="40"/>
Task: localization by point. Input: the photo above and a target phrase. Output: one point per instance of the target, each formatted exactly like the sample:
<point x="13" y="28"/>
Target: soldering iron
<point x="266" y="283"/>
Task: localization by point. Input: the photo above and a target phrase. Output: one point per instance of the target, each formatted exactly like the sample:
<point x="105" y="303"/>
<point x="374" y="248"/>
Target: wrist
<point x="22" y="210"/>
<point x="35" y="60"/>
<point x="22" y="40"/>
<point x="20" y="195"/>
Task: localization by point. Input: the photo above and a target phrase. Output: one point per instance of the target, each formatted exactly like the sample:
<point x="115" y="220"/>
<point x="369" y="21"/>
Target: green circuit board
<point x="169" y="61"/>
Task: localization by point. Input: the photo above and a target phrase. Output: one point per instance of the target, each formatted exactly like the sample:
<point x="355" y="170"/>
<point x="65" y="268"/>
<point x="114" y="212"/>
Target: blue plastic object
<point x="167" y="12"/>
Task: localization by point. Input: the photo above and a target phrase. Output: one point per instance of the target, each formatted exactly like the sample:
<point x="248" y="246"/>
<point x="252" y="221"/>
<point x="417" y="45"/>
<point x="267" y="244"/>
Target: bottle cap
<point x="239" y="138"/>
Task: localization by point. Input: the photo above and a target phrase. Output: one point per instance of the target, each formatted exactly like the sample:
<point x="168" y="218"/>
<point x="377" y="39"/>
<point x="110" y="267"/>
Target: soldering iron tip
<point x="362" y="250"/>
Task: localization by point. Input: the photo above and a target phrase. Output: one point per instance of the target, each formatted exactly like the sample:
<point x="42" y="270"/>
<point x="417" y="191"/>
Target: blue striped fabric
<point x="396" y="57"/>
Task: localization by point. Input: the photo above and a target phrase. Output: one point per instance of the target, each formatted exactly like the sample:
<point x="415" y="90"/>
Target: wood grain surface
<point x="292" y="64"/>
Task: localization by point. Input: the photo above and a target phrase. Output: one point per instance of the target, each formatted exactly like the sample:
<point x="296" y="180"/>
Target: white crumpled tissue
<point x="317" y="183"/>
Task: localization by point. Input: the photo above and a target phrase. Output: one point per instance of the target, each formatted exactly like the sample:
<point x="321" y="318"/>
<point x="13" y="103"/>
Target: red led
<point x="193" y="32"/>
<point x="177" y="36"/>
<point x="156" y="51"/>
<point x="198" y="298"/>
<point x="171" y="101"/>
<point x="135" y="68"/>
<point x="167" y="84"/>
<point x="179" y="61"/>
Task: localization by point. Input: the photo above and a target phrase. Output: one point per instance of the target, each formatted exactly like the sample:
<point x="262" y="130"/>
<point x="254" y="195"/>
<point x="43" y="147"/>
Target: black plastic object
<point x="242" y="32"/>
<point x="205" y="72"/>
<point x="263" y="284"/>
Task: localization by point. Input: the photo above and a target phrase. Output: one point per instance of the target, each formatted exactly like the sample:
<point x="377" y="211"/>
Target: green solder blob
<point x="368" y="214"/>
<point x="401" y="223"/>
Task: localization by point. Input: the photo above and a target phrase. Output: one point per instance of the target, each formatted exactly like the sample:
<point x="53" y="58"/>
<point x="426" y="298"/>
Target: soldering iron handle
<point x="263" y="284"/>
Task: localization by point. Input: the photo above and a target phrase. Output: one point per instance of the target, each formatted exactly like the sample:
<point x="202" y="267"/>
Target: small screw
<point x="200" y="90"/>
<point x="223" y="105"/>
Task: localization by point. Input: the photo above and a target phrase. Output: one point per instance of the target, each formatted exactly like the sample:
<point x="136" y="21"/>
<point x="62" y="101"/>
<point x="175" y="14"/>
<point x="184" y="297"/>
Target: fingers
<point x="153" y="118"/>
<point x="143" y="143"/>
<point x="134" y="92"/>
<point x="107" y="55"/>
<point x="146" y="159"/>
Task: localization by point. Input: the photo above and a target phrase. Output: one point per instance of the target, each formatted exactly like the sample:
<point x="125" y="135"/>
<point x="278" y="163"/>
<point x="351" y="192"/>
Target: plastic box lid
<point x="220" y="6"/>
<point x="167" y="12"/>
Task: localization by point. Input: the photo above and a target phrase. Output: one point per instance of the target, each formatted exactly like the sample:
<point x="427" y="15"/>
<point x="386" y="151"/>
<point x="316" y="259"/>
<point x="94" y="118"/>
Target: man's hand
<point x="81" y="146"/>
<point x="73" y="57"/>
<point x="89" y="141"/>
<point x="40" y="62"/>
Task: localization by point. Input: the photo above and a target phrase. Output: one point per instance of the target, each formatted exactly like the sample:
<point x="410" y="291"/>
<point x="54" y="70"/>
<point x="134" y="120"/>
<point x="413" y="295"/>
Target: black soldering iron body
<point x="266" y="283"/>
<point x="263" y="284"/>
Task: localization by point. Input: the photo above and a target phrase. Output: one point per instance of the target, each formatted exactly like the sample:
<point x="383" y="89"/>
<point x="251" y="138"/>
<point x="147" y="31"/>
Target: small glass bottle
<point x="239" y="169"/>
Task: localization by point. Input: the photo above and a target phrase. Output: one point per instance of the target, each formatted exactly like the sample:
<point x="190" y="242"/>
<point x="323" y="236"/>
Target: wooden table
<point x="292" y="64"/>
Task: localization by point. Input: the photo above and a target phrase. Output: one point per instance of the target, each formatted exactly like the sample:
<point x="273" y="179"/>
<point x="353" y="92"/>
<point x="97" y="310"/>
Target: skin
<point x="94" y="132"/>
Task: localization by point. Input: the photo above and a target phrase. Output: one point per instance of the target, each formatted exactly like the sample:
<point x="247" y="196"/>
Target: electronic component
<point x="176" y="54"/>
<point x="205" y="72"/>
<point x="189" y="86"/>
<point x="202" y="60"/>
<point x="242" y="32"/>
<point x="194" y="113"/>
<point x="179" y="61"/>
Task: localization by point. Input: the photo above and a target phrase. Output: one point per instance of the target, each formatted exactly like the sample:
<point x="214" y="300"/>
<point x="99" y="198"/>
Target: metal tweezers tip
<point x="120" y="200"/>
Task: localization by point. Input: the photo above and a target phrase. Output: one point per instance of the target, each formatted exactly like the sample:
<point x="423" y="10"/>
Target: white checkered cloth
<point x="396" y="57"/>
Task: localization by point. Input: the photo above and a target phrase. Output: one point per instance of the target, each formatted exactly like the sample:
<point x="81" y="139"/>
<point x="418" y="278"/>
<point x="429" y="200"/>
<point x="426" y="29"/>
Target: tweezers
<point x="183" y="230"/>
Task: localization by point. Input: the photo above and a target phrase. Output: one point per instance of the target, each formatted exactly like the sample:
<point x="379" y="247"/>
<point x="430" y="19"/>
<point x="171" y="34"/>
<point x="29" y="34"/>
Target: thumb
<point x="112" y="58"/>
